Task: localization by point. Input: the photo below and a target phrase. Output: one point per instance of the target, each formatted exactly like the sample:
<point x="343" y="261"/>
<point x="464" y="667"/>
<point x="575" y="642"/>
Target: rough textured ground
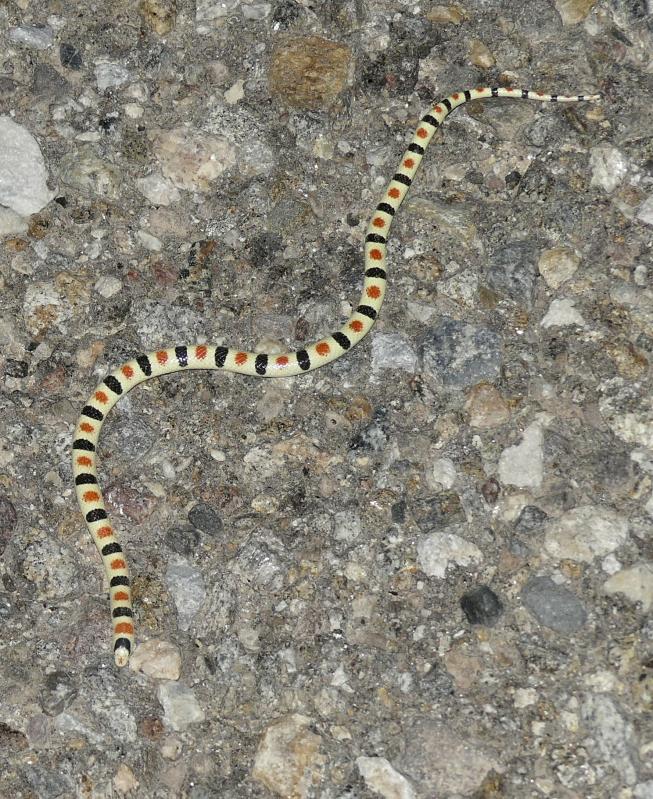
<point x="424" y="571"/>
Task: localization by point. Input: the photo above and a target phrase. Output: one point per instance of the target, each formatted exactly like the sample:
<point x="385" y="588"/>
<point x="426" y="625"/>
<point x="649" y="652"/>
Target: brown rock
<point x="486" y="406"/>
<point x="160" y="15"/>
<point x="309" y="71"/>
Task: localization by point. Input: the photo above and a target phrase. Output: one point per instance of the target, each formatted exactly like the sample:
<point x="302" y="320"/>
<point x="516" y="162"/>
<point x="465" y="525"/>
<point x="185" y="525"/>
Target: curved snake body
<point x="232" y="359"/>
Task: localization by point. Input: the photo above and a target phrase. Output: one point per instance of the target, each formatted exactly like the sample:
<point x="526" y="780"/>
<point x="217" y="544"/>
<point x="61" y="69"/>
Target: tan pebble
<point x="574" y="11"/>
<point x="125" y="781"/>
<point x="557" y="265"/>
<point x="480" y="55"/>
<point x="309" y="71"/>
<point x="446" y="15"/>
<point x="158" y="659"/>
<point x="160" y="15"/>
<point x="486" y="406"/>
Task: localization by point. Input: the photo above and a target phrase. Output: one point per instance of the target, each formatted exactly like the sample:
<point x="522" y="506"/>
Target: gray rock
<point x="460" y="355"/>
<point x="611" y="736"/>
<point x="481" y="606"/>
<point x="553" y="605"/>
<point x="186" y="586"/>
<point x="205" y="518"/>
<point x="512" y="271"/>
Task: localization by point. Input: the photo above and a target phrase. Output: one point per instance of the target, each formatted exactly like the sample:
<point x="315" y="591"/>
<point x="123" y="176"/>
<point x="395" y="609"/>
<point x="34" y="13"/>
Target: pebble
<point x="192" y="159"/>
<point x="38" y="37"/>
<point x="110" y="75"/>
<point x="522" y="465"/>
<point x="148" y="241"/>
<point x="610" y="736"/>
<point x="437" y="551"/>
<point x="107" y="286"/>
<point x="393" y="351"/>
<point x="58" y="693"/>
<point x="186" y="586"/>
<point x="557" y="265"/>
<point x="584" y="533"/>
<point x="530" y="519"/>
<point x="445" y="15"/>
<point x="160" y="15"/>
<point x="309" y="72"/>
<point x="124" y="781"/>
<point x="459" y="355"/>
<point x="574" y="11"/>
<point x="158" y="190"/>
<point x="481" y="606"/>
<point x="381" y="778"/>
<point x="158" y="659"/>
<point x="180" y="706"/>
<point x="212" y="10"/>
<point x="635" y="583"/>
<point x="23" y="174"/>
<point x="562" y="313"/>
<point x="11" y="223"/>
<point x="609" y="167"/>
<point x="183" y="540"/>
<point x="644" y="790"/>
<point x="288" y="760"/>
<point x="70" y="56"/>
<point x="480" y="54"/>
<point x="205" y="518"/>
<point x="441" y="474"/>
<point x="84" y="171"/>
<point x="486" y="407"/>
<point x="553" y="605"/>
<point x="442" y="763"/>
<point x="645" y="212"/>
<point x="512" y="272"/>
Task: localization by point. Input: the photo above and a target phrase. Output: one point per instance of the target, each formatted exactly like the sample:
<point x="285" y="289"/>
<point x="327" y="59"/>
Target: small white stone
<point x="382" y="778"/>
<point x="562" y="313"/>
<point x="235" y="93"/>
<point x="525" y="697"/>
<point x="583" y="533"/>
<point x="645" y="213"/>
<point x="609" y="167"/>
<point x="23" y="175"/>
<point x="109" y="75"/>
<point x="11" y="223"/>
<point x="125" y="780"/>
<point x="180" y="706"/>
<point x="149" y="241"/>
<point x="347" y="526"/>
<point x="437" y="551"/>
<point x="635" y="583"/>
<point x="108" y="286"/>
<point x="442" y="474"/>
<point x="158" y="659"/>
<point x="393" y="351"/>
<point x="522" y="465"/>
<point x="158" y="190"/>
<point x="39" y="37"/>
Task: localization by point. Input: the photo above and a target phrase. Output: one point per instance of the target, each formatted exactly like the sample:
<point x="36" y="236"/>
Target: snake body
<point x="231" y="359"/>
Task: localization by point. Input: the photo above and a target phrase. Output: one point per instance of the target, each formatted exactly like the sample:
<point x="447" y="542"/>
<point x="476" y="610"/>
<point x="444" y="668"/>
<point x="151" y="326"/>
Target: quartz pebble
<point x="38" y="37"/>
<point x="158" y="659"/>
<point x="609" y="167"/>
<point x="23" y="174"/>
<point x="558" y="265"/>
<point x="288" y="760"/>
<point x="438" y="551"/>
<point x="635" y="583"/>
<point x="186" y="585"/>
<point x="393" y="351"/>
<point x="522" y="465"/>
<point x="562" y="313"/>
<point x="584" y="533"/>
<point x="382" y="778"/>
<point x="180" y="706"/>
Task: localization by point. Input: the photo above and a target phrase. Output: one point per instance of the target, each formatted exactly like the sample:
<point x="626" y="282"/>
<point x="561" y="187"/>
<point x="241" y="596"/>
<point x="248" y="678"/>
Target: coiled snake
<point x="232" y="359"/>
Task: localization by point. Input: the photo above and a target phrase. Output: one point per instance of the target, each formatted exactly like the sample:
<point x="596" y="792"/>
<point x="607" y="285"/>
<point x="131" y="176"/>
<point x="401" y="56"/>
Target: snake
<point x="257" y="364"/>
